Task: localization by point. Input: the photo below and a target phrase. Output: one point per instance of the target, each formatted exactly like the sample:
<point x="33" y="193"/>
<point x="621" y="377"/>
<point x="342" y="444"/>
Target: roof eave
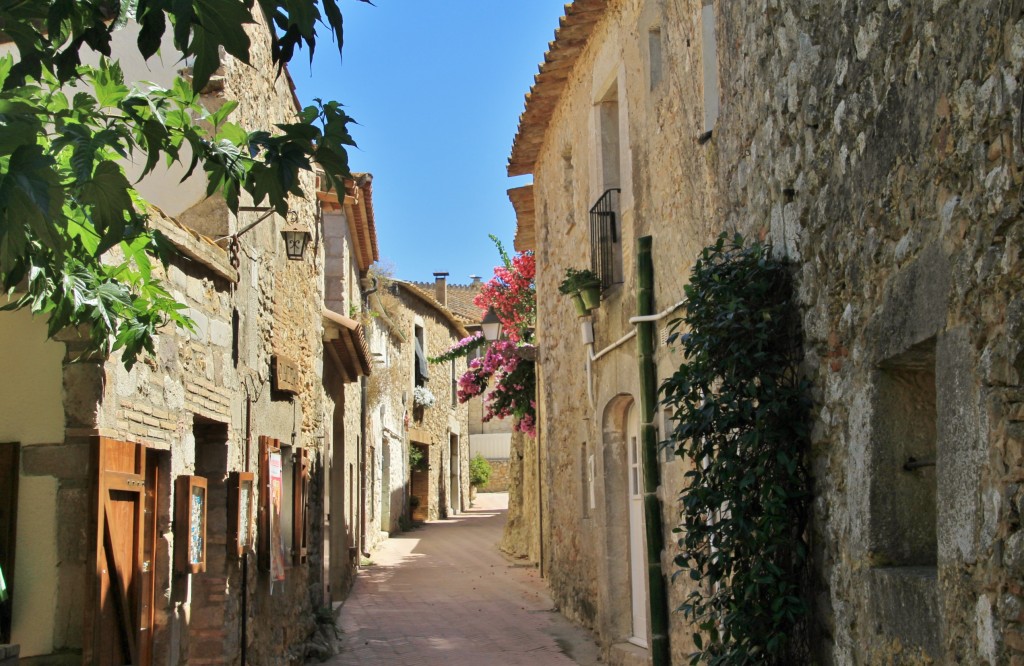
<point x="573" y="33"/>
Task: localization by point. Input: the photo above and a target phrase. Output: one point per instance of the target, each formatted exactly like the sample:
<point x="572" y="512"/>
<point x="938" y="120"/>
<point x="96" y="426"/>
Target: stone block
<point x="905" y="602"/>
<point x="220" y="333"/>
<point x="83" y="392"/>
<point x="915" y="304"/>
<point x="63" y="461"/>
<point x="73" y="511"/>
<point x="9" y="654"/>
<point x="72" y="579"/>
<point x="961" y="447"/>
<point x="202" y="325"/>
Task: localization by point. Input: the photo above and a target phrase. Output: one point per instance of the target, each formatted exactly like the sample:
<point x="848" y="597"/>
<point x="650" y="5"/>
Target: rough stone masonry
<point x="878" y="146"/>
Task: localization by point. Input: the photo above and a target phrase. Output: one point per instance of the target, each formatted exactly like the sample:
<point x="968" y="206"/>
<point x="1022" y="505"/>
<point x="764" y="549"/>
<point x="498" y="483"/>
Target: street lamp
<point x="491" y="325"/>
<point x="296" y="237"/>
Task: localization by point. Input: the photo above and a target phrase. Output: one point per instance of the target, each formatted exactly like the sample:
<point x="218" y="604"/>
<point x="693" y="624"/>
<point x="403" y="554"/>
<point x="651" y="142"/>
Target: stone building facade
<point x="100" y="548"/>
<point x="877" y="146"/>
<point x="350" y="247"/>
<point x="410" y="325"/>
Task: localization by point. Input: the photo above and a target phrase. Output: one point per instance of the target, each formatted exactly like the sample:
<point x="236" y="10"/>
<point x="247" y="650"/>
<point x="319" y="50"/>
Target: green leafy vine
<point x="741" y="424"/>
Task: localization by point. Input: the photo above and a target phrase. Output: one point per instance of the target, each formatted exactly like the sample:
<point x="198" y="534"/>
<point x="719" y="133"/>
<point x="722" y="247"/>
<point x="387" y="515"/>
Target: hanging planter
<point x="584" y="287"/>
<point x="591" y="295"/>
<point x="581" y="308"/>
<point x="423" y="397"/>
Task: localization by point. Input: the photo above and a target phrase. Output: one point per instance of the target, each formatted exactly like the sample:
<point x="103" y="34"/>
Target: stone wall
<point x="191" y="406"/>
<point x="434" y="426"/>
<point x="885" y="162"/>
<point x="877" y="146"/>
<point x="499" y="479"/>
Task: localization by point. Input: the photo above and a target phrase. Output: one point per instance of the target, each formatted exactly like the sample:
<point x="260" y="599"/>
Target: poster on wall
<point x="276" y="493"/>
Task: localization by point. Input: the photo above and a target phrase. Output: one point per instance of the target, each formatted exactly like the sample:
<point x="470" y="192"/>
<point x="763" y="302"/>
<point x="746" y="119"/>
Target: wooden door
<point x="421" y="485"/>
<point x="9" y="474"/>
<point x="119" y="620"/>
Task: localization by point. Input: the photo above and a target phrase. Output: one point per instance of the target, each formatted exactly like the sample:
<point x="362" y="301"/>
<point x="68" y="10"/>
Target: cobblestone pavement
<point x="442" y="594"/>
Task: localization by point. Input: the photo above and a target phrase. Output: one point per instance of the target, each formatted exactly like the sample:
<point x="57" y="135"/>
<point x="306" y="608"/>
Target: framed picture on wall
<point x="241" y="519"/>
<point x="271" y="543"/>
<point x="190" y="501"/>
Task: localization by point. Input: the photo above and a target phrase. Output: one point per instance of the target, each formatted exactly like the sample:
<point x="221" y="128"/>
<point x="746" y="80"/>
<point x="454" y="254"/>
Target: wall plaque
<point x="285" y="373"/>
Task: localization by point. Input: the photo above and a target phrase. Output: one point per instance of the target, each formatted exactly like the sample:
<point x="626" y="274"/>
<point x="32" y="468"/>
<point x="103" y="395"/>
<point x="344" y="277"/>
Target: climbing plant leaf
<point x="741" y="411"/>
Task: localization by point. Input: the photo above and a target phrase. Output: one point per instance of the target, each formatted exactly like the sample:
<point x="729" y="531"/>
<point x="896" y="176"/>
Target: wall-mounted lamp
<point x="296" y="237"/>
<point x="491" y="325"/>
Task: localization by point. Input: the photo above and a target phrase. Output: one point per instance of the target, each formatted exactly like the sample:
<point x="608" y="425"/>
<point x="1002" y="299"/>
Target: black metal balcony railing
<point x="604" y="237"/>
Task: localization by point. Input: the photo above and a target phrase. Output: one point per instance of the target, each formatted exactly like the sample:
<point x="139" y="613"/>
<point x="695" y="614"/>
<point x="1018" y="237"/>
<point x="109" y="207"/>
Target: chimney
<point x="441" y="288"/>
<point x="476" y="280"/>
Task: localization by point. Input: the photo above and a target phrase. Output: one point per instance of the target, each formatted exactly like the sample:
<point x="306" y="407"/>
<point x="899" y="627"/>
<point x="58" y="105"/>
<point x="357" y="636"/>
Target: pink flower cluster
<point x="512" y="294"/>
<point x="461" y="348"/>
<point x="513" y="382"/>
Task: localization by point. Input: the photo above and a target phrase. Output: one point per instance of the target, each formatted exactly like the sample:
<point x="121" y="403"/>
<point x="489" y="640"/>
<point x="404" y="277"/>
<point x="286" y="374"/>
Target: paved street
<point x="443" y="594"/>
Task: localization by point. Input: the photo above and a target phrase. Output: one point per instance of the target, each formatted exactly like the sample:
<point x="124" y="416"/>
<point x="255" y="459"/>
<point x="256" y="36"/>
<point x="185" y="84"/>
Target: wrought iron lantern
<point x="296" y="237"/>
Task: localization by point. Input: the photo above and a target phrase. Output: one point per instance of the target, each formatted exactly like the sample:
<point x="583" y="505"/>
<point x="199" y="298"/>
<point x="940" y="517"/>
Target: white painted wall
<point x="32" y="412"/>
<point x="494" y="446"/>
<point x="31" y="381"/>
<point x="35" y="573"/>
<point x="162" y="187"/>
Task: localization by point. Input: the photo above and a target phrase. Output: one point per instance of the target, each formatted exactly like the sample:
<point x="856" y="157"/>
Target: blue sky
<point x="437" y="89"/>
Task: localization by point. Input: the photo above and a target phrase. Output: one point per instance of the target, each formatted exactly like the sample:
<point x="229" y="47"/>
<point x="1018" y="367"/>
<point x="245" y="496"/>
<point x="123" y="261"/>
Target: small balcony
<point x="606" y="239"/>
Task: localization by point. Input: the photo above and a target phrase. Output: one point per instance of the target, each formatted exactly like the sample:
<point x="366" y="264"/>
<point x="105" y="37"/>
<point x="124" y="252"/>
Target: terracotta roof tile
<point x="574" y="29"/>
<point x="425" y="292"/>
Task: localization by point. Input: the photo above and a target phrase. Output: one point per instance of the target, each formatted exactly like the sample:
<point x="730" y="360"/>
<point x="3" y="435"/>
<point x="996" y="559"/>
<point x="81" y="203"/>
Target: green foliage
<point x="741" y="413"/>
<point x="417" y="461"/>
<point x="578" y="279"/>
<point x="74" y="238"/>
<point x="479" y="471"/>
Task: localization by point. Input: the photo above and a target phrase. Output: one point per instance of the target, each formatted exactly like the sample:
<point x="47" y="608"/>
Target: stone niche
<point x="903" y="504"/>
<point x="903" y="495"/>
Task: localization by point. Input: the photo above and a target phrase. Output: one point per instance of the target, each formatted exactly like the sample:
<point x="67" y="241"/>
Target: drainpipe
<point x="643" y="330"/>
<point x="660" y="652"/>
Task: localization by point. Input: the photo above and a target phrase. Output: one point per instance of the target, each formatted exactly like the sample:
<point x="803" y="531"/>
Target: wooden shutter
<point x="263" y="519"/>
<point x="119" y="617"/>
<point x="300" y="495"/>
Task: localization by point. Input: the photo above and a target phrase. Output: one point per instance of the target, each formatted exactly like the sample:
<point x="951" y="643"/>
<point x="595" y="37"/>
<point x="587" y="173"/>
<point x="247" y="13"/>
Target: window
<point x="421" y="369"/>
<point x="284" y="495"/>
<point x="569" y="187"/>
<point x="605" y="231"/>
<point x="903" y="496"/>
<point x="654" y="56"/>
<point x="455" y="386"/>
<point x="585" y="480"/>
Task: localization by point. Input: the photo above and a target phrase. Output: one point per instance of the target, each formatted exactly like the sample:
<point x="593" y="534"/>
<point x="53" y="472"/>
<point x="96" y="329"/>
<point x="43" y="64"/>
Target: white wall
<point x="35" y="573"/>
<point x="493" y="447"/>
<point x="31" y="381"/>
<point x="162" y="187"/>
